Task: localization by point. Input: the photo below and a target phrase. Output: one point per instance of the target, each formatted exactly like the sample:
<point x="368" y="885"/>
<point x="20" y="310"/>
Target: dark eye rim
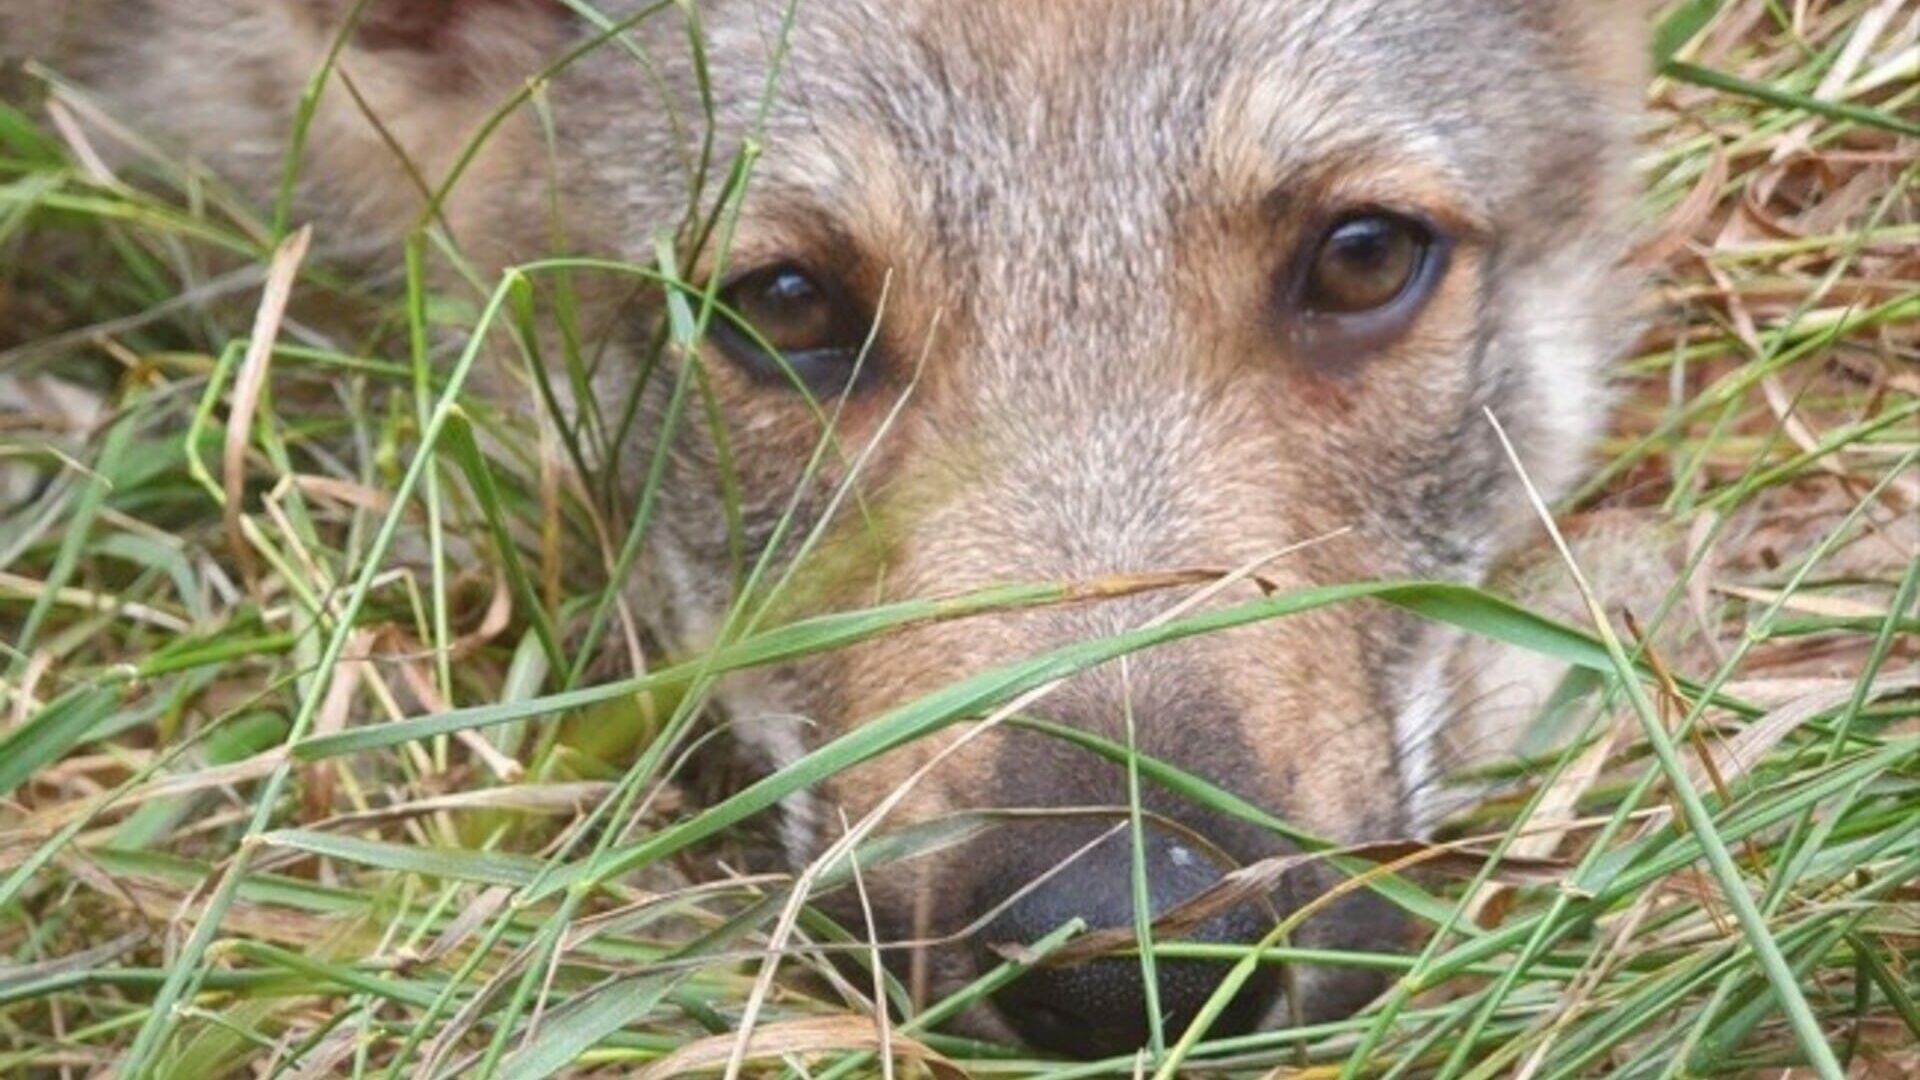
<point x="1385" y="321"/>
<point x="821" y="372"/>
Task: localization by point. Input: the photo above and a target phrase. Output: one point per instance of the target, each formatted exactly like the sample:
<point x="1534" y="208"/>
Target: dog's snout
<point x="1099" y="1008"/>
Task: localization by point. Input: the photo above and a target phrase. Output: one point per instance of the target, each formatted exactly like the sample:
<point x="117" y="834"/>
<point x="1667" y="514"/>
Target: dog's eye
<point x="1365" y="263"/>
<point x="811" y="324"/>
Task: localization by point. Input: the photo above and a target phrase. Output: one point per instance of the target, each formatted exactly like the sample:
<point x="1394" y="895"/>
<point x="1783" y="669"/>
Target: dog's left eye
<point x="1360" y="285"/>
<point x="812" y="328"/>
<point x="1366" y="262"/>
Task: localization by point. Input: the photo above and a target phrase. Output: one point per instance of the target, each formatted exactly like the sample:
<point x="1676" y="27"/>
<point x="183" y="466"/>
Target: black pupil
<point x="1364" y="264"/>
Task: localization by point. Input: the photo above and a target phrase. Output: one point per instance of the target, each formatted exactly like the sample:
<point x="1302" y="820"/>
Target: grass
<point x="316" y="759"/>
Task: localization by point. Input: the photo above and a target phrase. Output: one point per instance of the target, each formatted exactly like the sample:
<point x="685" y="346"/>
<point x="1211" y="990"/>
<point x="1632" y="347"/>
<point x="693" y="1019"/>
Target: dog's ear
<point x="425" y="77"/>
<point x="451" y="38"/>
<point x="417" y="81"/>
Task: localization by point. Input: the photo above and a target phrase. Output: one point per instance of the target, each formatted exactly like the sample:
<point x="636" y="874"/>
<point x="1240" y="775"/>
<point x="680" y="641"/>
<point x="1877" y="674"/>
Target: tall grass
<point x="318" y="758"/>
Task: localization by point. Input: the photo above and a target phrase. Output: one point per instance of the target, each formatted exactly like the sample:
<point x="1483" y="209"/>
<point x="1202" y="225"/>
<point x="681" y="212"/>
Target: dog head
<point x="1095" y="288"/>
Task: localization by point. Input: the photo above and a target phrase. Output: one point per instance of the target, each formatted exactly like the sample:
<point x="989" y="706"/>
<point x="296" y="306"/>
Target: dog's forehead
<point x="966" y="98"/>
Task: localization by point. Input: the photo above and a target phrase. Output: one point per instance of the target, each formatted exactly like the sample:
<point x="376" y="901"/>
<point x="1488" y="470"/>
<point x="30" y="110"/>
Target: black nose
<point x="1099" y="1008"/>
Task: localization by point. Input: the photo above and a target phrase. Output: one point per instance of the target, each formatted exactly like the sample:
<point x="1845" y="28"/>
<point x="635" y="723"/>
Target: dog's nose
<point x="1099" y="1008"/>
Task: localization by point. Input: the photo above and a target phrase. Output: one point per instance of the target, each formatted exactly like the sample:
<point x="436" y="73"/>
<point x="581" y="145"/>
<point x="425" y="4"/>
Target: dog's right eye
<point x="807" y="330"/>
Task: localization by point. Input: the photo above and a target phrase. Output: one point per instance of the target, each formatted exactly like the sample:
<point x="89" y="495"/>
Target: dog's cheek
<point x="1563" y="333"/>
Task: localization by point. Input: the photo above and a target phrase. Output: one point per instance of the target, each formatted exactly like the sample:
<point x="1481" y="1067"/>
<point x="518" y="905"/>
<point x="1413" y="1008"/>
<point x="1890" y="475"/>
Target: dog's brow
<point x="1397" y="179"/>
<point x="1271" y="141"/>
<point x="1360" y="177"/>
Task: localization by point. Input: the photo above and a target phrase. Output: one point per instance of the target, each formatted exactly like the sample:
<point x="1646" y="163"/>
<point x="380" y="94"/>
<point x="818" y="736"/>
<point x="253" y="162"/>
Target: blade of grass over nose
<point x="791" y="641"/>
<point x="607" y="1009"/>
<point x="1243" y="969"/>
<point x="1457" y="605"/>
<point x="1213" y="797"/>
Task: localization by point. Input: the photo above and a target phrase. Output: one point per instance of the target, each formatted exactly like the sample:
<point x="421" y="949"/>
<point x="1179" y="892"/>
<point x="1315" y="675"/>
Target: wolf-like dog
<point x="1083" y="288"/>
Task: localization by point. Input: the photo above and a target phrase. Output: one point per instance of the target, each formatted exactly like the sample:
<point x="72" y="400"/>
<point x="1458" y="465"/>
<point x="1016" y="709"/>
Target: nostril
<point x="1049" y="1026"/>
<point x="1099" y="1008"/>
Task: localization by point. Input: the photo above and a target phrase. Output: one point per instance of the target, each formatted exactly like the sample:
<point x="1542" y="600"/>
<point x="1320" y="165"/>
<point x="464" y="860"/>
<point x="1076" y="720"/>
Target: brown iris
<point x="1365" y="263"/>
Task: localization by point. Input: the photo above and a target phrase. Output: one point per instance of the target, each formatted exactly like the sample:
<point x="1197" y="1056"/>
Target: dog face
<point x="1156" y="286"/>
<point x="1077" y="289"/>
